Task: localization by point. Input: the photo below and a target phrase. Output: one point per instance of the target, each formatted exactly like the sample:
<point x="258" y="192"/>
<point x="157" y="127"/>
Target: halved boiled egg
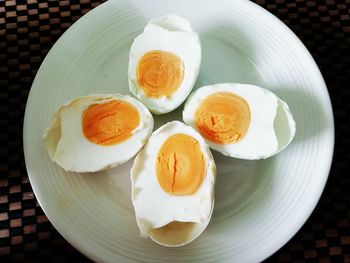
<point x="240" y="120"/>
<point x="95" y="132"/>
<point x="173" y="179"/>
<point x="164" y="62"/>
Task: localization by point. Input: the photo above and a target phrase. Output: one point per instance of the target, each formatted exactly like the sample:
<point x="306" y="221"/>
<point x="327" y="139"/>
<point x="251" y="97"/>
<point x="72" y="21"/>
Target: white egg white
<point x="170" y="33"/>
<point x="271" y="127"/>
<point x="154" y="208"/>
<point x="67" y="146"/>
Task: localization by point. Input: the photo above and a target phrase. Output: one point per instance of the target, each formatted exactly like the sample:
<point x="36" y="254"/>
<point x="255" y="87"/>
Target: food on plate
<point x="164" y="62"/>
<point x="97" y="131"/>
<point x="240" y="120"/>
<point x="173" y="179"/>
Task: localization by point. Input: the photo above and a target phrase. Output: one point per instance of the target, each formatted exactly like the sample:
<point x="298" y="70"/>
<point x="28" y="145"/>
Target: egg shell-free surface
<point x="266" y="135"/>
<point x="154" y="207"/>
<point x="174" y="34"/>
<point x="68" y="146"/>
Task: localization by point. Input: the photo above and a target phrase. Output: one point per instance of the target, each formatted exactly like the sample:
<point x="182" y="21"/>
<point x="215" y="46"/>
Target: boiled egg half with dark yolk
<point x="173" y="179"/>
<point x="96" y="132"/>
<point x="240" y="120"/>
<point x="164" y="62"/>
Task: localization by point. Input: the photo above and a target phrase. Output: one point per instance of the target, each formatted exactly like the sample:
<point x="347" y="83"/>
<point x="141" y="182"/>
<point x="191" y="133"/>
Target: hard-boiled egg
<point x="173" y="180"/>
<point x="97" y="131"/>
<point x="164" y="62"/>
<point x="239" y="120"/>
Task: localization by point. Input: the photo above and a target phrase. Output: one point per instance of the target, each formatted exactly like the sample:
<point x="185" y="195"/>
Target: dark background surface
<point x="28" y="29"/>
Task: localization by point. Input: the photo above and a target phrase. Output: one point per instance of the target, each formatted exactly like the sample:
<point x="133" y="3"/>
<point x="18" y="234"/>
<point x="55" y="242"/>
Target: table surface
<point x="28" y="29"/>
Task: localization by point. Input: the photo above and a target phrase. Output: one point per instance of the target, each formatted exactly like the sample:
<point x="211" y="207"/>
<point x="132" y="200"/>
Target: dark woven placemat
<point x="28" y="29"/>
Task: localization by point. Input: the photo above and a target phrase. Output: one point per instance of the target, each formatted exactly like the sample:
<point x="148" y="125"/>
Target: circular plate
<point x="259" y="206"/>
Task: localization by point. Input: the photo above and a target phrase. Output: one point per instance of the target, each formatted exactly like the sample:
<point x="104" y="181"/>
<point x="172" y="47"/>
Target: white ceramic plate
<point x="260" y="205"/>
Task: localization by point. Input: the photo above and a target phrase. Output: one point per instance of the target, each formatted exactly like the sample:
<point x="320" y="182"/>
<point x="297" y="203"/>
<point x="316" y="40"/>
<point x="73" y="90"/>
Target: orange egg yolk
<point x="180" y="165"/>
<point x="223" y="118"/>
<point x="110" y="123"/>
<point x="160" y="73"/>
